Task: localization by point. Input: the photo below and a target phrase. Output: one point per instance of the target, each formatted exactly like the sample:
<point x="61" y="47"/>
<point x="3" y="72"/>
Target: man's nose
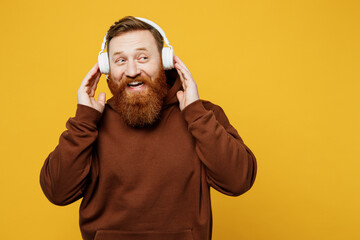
<point x="132" y="69"/>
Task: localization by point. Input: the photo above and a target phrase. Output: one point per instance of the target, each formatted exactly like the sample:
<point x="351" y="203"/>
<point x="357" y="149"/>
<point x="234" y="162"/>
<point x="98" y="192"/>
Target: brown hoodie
<point x="147" y="183"/>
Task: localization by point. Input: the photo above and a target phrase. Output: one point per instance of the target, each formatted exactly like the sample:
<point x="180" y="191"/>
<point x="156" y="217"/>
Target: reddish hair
<point x="128" y="24"/>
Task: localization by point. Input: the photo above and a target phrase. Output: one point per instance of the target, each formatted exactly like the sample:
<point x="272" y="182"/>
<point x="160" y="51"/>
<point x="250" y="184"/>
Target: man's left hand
<point x="190" y="93"/>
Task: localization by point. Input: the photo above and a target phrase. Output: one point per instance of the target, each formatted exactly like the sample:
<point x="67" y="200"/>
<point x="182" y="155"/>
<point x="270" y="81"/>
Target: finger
<point x="92" y="84"/>
<point x="185" y="74"/>
<point x="96" y="80"/>
<point x="94" y="70"/>
<point x="102" y="98"/>
<point x="181" y="77"/>
<point x="180" y="71"/>
<point x="180" y="95"/>
<point x="178" y="60"/>
<point x="89" y="75"/>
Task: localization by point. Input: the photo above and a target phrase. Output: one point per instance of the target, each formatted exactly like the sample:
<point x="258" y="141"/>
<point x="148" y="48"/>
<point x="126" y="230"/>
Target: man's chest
<point x="164" y="153"/>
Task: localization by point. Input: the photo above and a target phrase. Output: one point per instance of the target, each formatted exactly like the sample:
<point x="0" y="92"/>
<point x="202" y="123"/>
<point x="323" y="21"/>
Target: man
<point x="144" y="161"/>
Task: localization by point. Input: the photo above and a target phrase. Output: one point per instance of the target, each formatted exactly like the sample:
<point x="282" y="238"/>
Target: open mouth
<point x="135" y="84"/>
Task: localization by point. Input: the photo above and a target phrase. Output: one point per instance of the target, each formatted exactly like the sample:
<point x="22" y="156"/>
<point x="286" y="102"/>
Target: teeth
<point x="135" y="83"/>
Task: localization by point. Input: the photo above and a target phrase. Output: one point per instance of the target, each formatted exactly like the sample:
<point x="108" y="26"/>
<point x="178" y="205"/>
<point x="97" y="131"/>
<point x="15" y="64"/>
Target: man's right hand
<point x="87" y="90"/>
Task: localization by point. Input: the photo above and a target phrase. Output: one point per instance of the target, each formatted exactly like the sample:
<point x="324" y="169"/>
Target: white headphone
<point x="167" y="52"/>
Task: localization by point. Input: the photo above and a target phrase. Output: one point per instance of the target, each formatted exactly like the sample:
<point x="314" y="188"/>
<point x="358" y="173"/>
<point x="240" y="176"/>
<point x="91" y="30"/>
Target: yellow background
<point x="285" y="72"/>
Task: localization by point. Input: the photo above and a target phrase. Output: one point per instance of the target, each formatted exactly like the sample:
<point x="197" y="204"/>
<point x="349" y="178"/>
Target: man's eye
<point x="120" y="60"/>
<point x="143" y="58"/>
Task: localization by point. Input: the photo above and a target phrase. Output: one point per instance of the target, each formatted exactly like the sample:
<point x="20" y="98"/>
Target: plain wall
<point x="286" y="74"/>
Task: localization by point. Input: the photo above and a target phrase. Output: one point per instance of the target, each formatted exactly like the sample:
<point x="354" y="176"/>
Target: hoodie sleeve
<point x="63" y="175"/>
<point x="230" y="165"/>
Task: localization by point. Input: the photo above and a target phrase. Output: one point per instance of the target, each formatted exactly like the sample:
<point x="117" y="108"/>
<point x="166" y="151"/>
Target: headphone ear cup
<point x="103" y="63"/>
<point x="168" y="58"/>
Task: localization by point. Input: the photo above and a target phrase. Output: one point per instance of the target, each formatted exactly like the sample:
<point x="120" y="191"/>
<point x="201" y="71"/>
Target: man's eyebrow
<point x="138" y="49"/>
<point x="142" y="49"/>
<point x="117" y="53"/>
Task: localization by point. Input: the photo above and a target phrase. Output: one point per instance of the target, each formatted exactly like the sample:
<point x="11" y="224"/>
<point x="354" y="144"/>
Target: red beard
<point x="140" y="109"/>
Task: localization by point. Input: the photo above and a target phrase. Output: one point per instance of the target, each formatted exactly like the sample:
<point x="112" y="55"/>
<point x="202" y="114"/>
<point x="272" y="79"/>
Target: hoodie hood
<point x="173" y="79"/>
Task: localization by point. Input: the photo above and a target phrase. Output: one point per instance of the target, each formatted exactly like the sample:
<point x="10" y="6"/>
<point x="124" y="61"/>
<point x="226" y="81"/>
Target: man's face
<point x="137" y="77"/>
<point x="131" y="54"/>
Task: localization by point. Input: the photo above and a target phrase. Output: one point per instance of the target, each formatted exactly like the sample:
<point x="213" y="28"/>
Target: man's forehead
<point x="141" y="40"/>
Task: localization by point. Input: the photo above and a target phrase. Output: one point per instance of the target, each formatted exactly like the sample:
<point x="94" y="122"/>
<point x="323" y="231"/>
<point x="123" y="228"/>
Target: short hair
<point x="130" y="23"/>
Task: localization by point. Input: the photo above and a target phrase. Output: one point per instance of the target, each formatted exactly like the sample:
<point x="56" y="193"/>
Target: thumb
<point x="101" y="98"/>
<point x="180" y="95"/>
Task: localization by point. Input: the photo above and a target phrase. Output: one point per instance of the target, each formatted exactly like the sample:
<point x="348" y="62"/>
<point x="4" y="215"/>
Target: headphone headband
<point x="151" y="23"/>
